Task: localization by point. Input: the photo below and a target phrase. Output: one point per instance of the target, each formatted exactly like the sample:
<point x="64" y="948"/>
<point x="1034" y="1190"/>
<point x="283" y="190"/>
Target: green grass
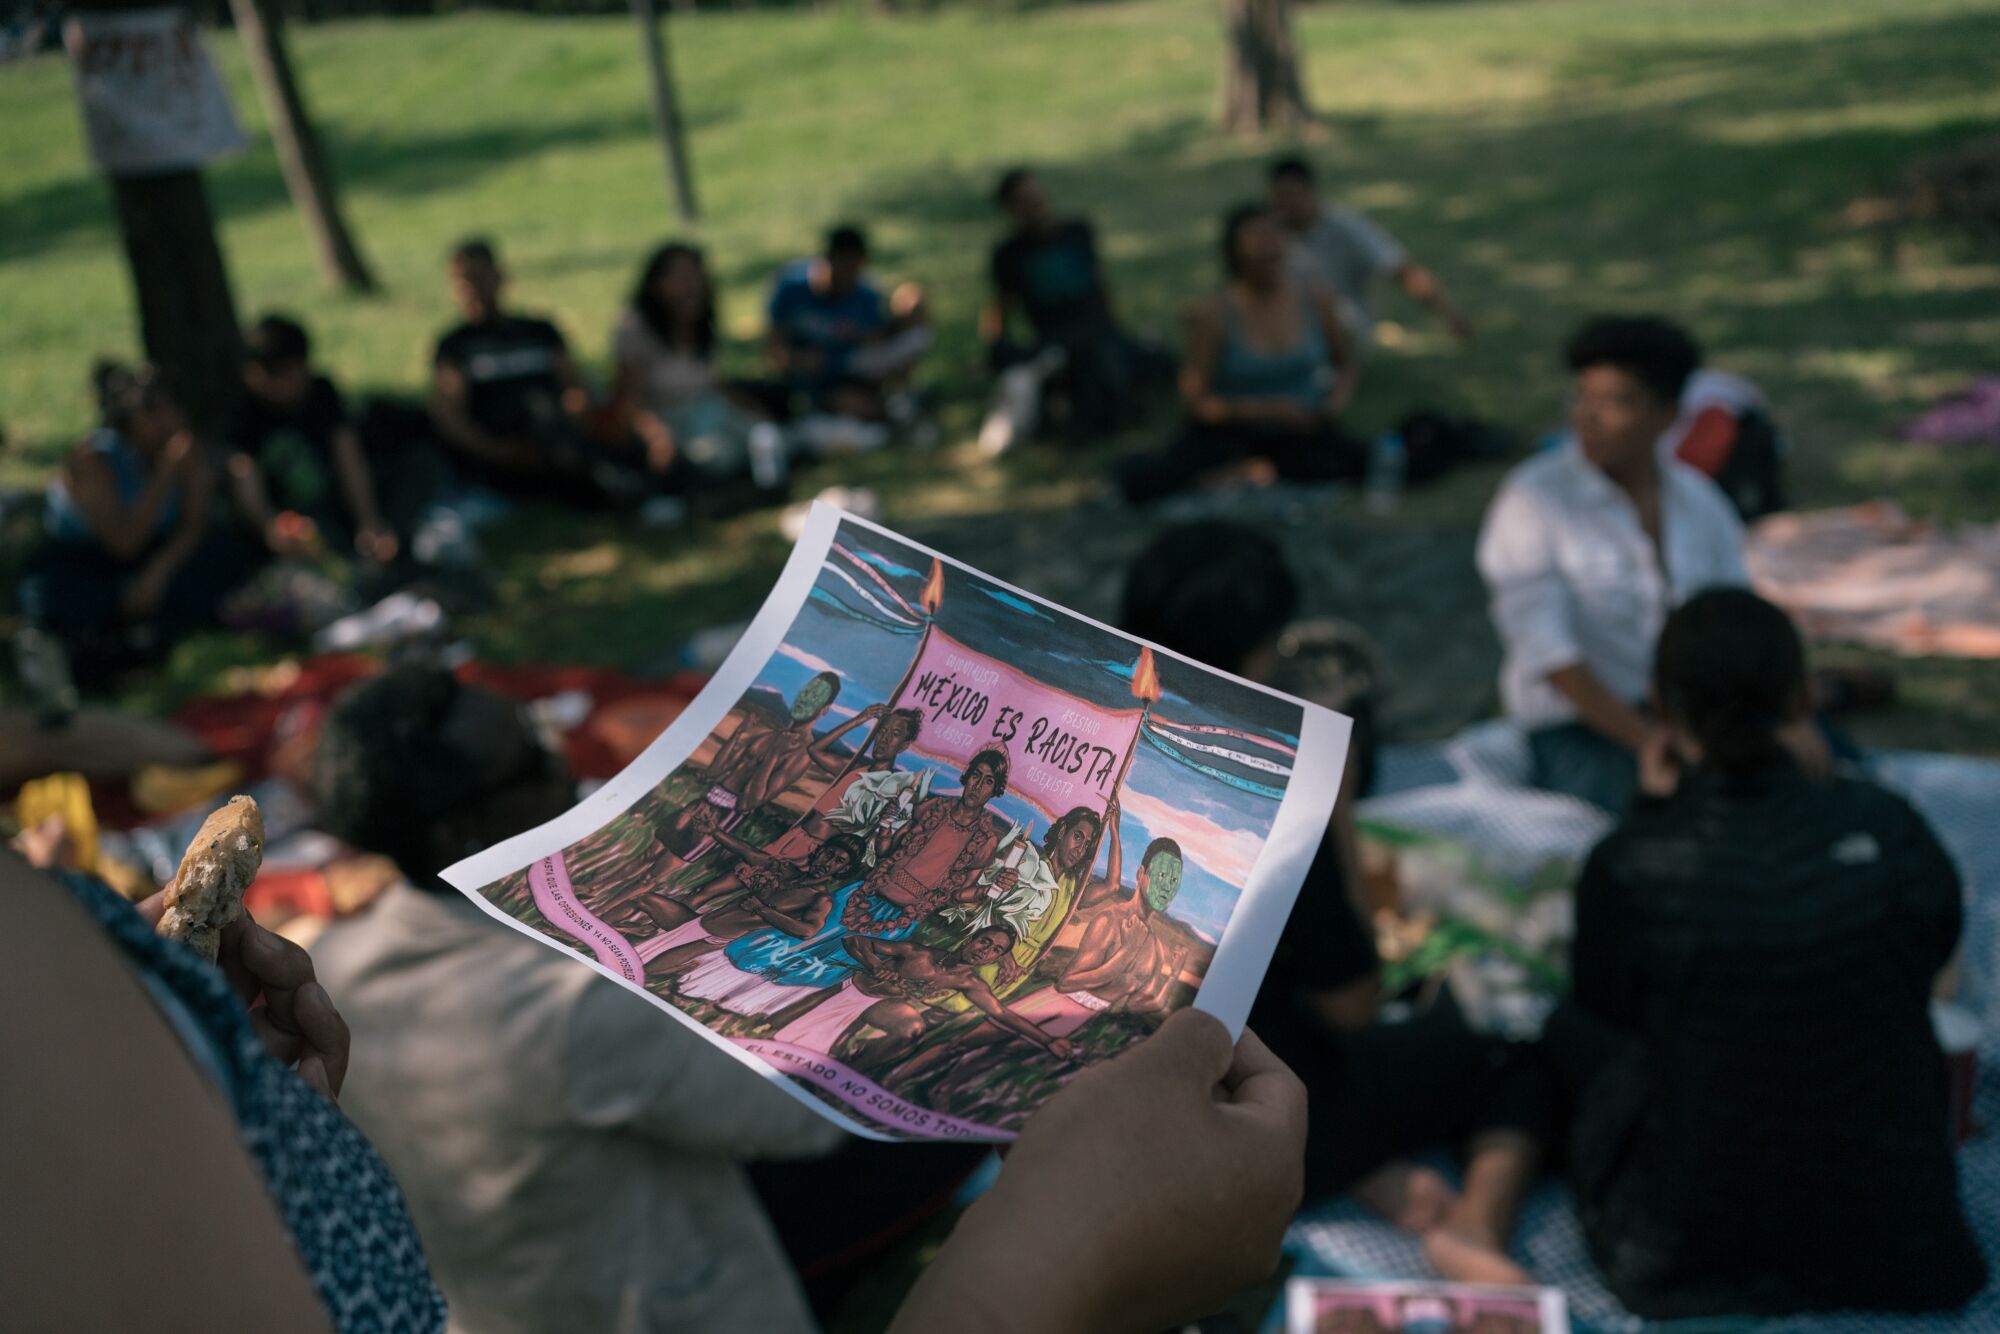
<point x="1550" y="157"/>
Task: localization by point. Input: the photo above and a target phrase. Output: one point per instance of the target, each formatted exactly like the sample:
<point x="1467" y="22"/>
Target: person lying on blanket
<point x="1756" y="1099"/>
<point x="887" y="995"/>
<point x="762" y="892"/>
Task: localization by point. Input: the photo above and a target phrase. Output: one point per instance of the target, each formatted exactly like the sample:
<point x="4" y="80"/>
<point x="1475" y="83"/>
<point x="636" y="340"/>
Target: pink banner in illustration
<point x="548" y="881"/>
<point x="1063" y="751"/>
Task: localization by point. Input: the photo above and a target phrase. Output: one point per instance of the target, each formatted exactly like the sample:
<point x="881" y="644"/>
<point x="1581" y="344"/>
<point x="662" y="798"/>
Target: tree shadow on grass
<point x="1539" y="222"/>
<point x="406" y="165"/>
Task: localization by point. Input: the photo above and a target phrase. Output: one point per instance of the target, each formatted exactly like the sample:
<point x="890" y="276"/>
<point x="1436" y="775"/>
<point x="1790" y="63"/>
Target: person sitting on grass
<point x="666" y="382"/>
<point x="844" y="351"/>
<point x="1586" y="549"/>
<point x="1759" y="1120"/>
<point x="1268" y="373"/>
<point x="296" y="465"/>
<point x="508" y="402"/>
<point x="497" y="1070"/>
<point x="1047" y="271"/>
<point x="130" y="563"/>
<point x="1343" y="251"/>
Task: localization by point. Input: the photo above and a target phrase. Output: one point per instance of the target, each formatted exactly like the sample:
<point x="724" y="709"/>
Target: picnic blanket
<point x="1970" y="416"/>
<point x="1869" y="574"/>
<point x="605" y="718"/>
<point x="263" y="732"/>
<point x="1472" y="788"/>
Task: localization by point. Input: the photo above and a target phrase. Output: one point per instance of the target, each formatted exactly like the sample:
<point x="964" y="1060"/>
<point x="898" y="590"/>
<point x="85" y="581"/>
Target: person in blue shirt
<point x="836" y="341"/>
<point x="130" y="563"/>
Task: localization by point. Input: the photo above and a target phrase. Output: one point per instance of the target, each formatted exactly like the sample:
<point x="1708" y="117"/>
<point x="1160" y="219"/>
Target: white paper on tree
<point x="927" y="846"/>
<point x="152" y="101"/>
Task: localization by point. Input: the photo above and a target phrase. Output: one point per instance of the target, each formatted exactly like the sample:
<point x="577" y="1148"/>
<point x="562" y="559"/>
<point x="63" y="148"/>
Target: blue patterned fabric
<point x="1960" y="796"/>
<point x="821" y="960"/>
<point x="344" y="1211"/>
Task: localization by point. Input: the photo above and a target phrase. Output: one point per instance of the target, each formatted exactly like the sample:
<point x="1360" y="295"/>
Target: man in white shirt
<point x="1587" y="548"/>
<point x="571" y="1156"/>
<point x="1344" y="251"/>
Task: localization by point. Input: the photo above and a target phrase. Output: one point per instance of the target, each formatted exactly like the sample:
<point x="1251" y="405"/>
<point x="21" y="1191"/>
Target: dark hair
<point x="1212" y="591"/>
<point x="121" y="390"/>
<point x="1010" y="181"/>
<point x="1233" y="224"/>
<point x="1656" y="352"/>
<point x="475" y="250"/>
<point x="847" y="239"/>
<point x="1160" y="845"/>
<point x="994" y="758"/>
<point x="654" y="312"/>
<point x="1731" y="669"/>
<point x="1004" y="928"/>
<point x="1075" y="816"/>
<point x="1291" y="167"/>
<point x="275" y="342"/>
<point x="853" y="845"/>
<point x="911" y="718"/>
<point x="386" y="773"/>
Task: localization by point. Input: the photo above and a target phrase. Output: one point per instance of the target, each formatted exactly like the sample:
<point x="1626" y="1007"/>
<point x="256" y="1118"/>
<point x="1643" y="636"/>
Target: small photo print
<point x="1333" y="1306"/>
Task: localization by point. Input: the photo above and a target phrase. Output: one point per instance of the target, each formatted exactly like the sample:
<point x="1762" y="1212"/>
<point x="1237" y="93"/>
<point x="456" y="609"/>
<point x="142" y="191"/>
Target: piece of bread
<point x="206" y="894"/>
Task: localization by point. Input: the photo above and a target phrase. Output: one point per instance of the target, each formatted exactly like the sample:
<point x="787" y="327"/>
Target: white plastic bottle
<point x="1388" y="465"/>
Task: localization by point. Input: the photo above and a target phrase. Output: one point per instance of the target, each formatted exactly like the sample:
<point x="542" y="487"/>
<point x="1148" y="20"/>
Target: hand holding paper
<point x="980" y="842"/>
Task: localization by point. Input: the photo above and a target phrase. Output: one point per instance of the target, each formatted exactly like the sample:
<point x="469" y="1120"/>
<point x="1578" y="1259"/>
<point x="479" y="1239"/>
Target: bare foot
<point x="1415" y="1199"/>
<point x="1461" y="1254"/>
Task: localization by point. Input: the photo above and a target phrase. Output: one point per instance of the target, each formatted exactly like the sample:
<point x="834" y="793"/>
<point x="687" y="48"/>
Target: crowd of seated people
<point x="1743" y="1087"/>
<point x="310" y="475"/>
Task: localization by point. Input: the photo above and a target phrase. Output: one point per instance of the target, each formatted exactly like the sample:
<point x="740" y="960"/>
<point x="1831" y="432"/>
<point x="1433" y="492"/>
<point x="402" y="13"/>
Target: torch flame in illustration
<point x="933" y="594"/>
<point x="1145" y="680"/>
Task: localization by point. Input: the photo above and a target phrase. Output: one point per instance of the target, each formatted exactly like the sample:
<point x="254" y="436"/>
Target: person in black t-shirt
<point x="1047" y="271"/>
<point x="1224" y="595"/>
<point x="296" y="466"/>
<point x="505" y="396"/>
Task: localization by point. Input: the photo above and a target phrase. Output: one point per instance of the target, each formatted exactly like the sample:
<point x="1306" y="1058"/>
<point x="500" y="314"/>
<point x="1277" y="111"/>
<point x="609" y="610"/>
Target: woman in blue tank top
<point x="1267" y="374"/>
<point x="130" y="561"/>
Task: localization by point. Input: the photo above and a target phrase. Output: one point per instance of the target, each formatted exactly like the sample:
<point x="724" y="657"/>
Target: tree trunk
<point x="666" y="112"/>
<point x="187" y="318"/>
<point x="307" y="177"/>
<point x="1262" y="87"/>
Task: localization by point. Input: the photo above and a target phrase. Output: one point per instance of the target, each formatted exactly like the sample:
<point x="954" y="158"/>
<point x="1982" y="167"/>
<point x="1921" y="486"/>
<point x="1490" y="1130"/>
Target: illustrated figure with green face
<point x="1130" y="957"/>
<point x="1132" y="952"/>
<point x="755" y="765"/>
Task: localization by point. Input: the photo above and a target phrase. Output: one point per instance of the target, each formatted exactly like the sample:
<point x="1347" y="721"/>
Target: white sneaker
<point x="1016" y="406"/>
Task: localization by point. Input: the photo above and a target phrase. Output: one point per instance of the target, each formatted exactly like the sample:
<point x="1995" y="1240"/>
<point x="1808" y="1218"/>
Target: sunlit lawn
<point x="1550" y="157"/>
